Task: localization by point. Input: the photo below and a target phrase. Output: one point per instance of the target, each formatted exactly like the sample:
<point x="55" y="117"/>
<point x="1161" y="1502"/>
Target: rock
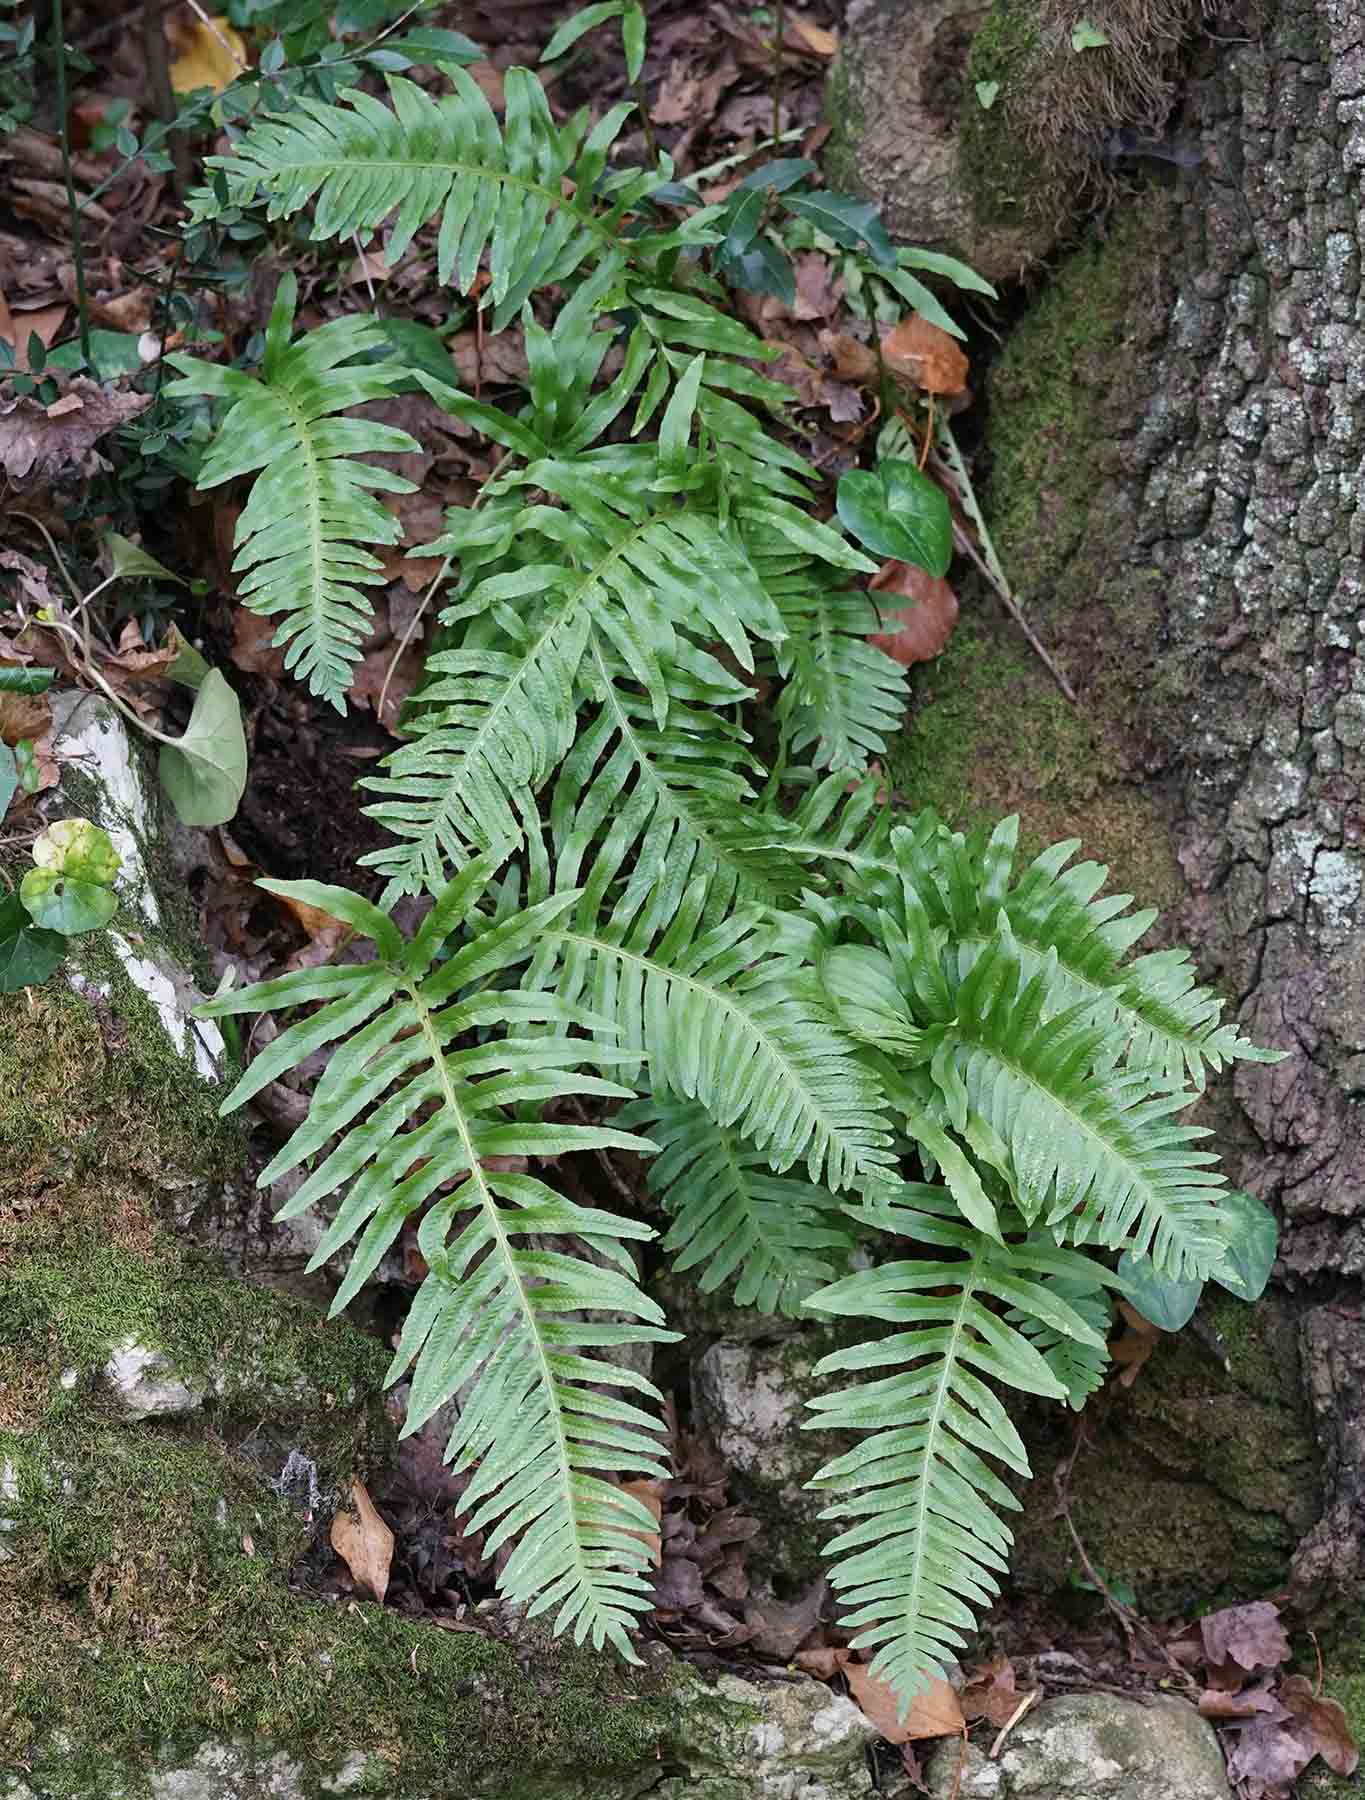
<point x="104" y="779"/>
<point x="146" y="1384"/>
<point x="749" y="1400"/>
<point x="1092" y="1747"/>
<point x="741" y="1740"/>
<point x="996" y="183"/>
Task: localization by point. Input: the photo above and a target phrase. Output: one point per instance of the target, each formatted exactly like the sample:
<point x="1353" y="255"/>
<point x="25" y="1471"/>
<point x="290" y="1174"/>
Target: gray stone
<point x="146" y="1385"/>
<point x="1091" y="1747"/>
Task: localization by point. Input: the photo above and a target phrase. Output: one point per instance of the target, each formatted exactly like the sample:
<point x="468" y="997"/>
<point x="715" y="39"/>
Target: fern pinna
<point x="837" y="1029"/>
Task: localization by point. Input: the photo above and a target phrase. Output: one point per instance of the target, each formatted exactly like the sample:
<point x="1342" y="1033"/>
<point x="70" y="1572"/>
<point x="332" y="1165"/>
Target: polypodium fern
<point x="300" y="533"/>
<point x="809" y="1002"/>
<point x="928" y="1548"/>
<point x="426" y="1128"/>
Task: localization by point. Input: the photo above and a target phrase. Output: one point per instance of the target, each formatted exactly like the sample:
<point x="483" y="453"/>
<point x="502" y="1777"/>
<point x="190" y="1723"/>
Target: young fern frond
<point x="524" y="194"/>
<point x="723" y="1021"/>
<point x="843" y="698"/>
<point x="406" y="1123"/>
<point x="927" y="1547"/>
<point x="1079" y="1366"/>
<point x="777" y="1238"/>
<point x="311" y="508"/>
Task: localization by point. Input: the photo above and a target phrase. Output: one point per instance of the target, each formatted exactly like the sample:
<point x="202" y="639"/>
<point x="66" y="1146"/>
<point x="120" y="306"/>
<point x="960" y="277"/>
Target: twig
<point x="641" y="100"/>
<point x="210" y="27"/>
<point x="38" y="525"/>
<point x="965" y="544"/>
<point x="1028" y="1700"/>
<point x="73" y="210"/>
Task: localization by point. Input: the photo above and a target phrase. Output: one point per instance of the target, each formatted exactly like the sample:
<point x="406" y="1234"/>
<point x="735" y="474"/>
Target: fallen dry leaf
<point x="853" y="360"/>
<point x="809" y="35"/>
<point x="489" y="80"/>
<point x="1217" y="1703"/>
<point x="779" y="1626"/>
<point x="1131" y="1351"/>
<point x="1267" y="1758"/>
<point x="926" y="356"/>
<point x="253" y="649"/>
<point x="934" y="1713"/>
<point x="650" y="1495"/>
<point x="1328" y="1729"/>
<point x="364" y="1543"/>
<point x="16" y="328"/>
<point x="39" y="443"/>
<point x="991" y="1694"/>
<point x="45" y="203"/>
<point x="916" y="633"/>
<point x="1249" y="1636"/>
<point x="206" y="53"/>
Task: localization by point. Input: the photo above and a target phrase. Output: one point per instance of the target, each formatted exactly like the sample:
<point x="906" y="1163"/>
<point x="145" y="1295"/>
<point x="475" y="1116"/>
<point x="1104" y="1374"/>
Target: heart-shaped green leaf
<point x="24" y="681"/>
<point x="986" y="92"/>
<point x="78" y="848"/>
<point x="132" y="562"/>
<point x="66" y="904"/>
<point x="1252" y="1236"/>
<point x="1087" y="36"/>
<point x="895" y="510"/>
<point x="1169" y="1304"/>
<point x="204" y="773"/>
<point x="28" y="954"/>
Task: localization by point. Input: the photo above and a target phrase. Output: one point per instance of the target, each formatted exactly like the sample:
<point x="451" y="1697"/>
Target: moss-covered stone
<point x="1197" y="1482"/>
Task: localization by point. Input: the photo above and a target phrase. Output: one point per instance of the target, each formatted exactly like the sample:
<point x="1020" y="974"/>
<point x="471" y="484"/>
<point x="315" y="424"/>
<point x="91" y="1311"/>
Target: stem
<point x="163" y="95"/>
<point x="73" y="211"/>
<point x="779" y="38"/>
<point x="651" y="144"/>
<point x="91" y="673"/>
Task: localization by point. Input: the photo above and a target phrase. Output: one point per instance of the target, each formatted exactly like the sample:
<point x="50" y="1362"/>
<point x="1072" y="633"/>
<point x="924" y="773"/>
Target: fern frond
<point x="1078" y="1365"/>
<point x="524" y="193"/>
<point x="615" y="564"/>
<point x="843" y="697"/>
<point x="928" y="1547"/>
<point x="725" y="1022"/>
<point x="1170" y="1025"/>
<point x="777" y="1238"/>
<point x="405" y="1123"/>
<point x="311" y="509"/>
<point x="1093" y="1149"/>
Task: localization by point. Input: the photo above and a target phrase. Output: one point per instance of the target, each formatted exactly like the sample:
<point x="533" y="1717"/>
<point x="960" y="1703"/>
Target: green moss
<point x="149" y="1604"/>
<point x="991" y="734"/>
<point x="1043" y="421"/>
<point x="989" y="152"/>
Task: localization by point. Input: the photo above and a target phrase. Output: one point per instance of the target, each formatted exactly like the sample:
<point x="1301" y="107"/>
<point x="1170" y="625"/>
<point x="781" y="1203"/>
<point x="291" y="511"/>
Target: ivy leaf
<point x="25" y="681"/>
<point x="849" y="222"/>
<point x="1253" y="1237"/>
<point x="1167" y="1303"/>
<point x="204" y="772"/>
<point x="986" y="92"/>
<point x="28" y="954"/>
<point x="895" y="510"/>
<point x="779" y="175"/>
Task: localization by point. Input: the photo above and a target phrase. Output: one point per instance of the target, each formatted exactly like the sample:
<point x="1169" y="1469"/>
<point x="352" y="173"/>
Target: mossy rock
<point x="1195" y="1484"/>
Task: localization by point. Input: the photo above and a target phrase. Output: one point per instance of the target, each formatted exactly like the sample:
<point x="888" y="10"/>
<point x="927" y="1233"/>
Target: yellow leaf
<point x="364" y="1542"/>
<point x="208" y="53"/>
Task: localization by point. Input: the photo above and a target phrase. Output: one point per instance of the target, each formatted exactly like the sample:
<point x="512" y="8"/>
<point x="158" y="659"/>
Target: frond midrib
<point x="726" y="1000"/>
<point x="275" y="175"/>
<point x="502" y="1246"/>
<point x="315" y="531"/>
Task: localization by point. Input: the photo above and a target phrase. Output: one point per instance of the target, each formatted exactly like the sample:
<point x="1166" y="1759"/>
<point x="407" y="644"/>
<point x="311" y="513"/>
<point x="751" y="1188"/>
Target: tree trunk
<point x="1178" y="436"/>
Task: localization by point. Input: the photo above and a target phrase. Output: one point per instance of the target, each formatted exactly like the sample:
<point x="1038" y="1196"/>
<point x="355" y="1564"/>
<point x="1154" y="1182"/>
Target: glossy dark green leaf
<point x="1169" y="1304"/>
<point x="896" y="510"/>
<point x="1253" y="1238"/>
<point x="780" y="175"/>
<point x="848" y="221"/>
<point x="429" y="44"/>
<point x="763" y="269"/>
<point x="28" y="954"/>
<point x="633" y="33"/>
<point x="25" y="681"/>
<point x="742" y="219"/>
<point x="578" y="24"/>
<point x="9" y="778"/>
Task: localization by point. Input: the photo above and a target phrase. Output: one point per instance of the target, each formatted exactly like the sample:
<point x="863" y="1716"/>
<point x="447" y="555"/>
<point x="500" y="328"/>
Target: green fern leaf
<point x="300" y="534"/>
<point x="725" y="1022"/>
<point x="1095" y="1151"/>
<point x="522" y="193"/>
<point x="844" y="698"/>
<point x="415" y="1114"/>
<point x="777" y="1238"/>
<point x="927" y="1549"/>
<point x="1079" y="1366"/>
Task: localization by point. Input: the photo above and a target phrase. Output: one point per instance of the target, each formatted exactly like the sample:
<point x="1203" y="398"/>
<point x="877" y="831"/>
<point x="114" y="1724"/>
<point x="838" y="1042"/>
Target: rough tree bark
<point x="1214" y="586"/>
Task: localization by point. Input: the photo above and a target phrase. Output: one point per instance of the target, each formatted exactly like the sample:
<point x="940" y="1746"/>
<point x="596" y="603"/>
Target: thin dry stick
<point x="1028" y="1700"/>
<point x="77" y="253"/>
<point x="1011" y="605"/>
<point x="209" y="26"/>
<point x="779" y="37"/>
